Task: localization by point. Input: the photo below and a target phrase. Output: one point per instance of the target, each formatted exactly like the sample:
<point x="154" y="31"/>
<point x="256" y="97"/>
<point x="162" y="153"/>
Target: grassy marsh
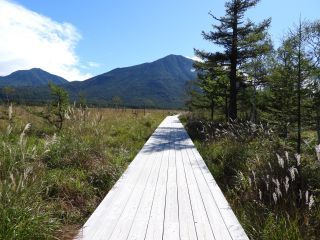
<point x="51" y="181"/>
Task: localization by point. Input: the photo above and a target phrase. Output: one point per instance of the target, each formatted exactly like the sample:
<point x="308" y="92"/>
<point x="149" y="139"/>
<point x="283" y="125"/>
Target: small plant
<point x="57" y="111"/>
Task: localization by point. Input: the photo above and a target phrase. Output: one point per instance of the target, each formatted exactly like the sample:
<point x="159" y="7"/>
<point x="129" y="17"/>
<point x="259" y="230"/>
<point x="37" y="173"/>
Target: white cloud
<point x="94" y="64"/>
<point x="195" y="58"/>
<point x="28" y="39"/>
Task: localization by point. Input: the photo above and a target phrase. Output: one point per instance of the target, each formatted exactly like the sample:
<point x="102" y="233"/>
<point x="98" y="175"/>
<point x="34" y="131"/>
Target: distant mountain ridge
<point x="159" y="84"/>
<point x="31" y="78"/>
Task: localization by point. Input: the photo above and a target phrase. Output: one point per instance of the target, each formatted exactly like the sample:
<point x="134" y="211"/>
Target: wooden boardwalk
<point x="167" y="192"/>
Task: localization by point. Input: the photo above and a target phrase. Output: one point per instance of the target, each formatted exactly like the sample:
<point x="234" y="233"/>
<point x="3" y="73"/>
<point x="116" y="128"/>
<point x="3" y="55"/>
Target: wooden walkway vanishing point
<point x="167" y="192"/>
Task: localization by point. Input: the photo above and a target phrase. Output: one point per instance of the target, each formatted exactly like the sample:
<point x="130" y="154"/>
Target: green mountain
<point x="32" y="78"/>
<point x="157" y="84"/>
<point x="160" y="83"/>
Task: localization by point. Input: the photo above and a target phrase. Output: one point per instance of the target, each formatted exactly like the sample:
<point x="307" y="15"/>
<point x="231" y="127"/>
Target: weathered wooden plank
<point x="217" y="224"/>
<point x="186" y="216"/>
<point x="171" y="216"/>
<point x="235" y="229"/>
<point x="140" y="221"/>
<point x="167" y="192"/>
<point x="201" y="220"/>
<point x="127" y="217"/>
<point x="154" y="229"/>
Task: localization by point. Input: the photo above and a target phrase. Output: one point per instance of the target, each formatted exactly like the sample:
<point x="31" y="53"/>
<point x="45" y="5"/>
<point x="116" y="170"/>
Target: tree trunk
<point x="212" y="110"/>
<point x="299" y="91"/>
<point x="318" y="126"/>
<point x="233" y="70"/>
<point x="226" y="105"/>
<point x="253" y="117"/>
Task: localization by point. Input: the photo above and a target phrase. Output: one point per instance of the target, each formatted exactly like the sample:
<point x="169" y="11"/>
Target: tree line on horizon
<point x="251" y="79"/>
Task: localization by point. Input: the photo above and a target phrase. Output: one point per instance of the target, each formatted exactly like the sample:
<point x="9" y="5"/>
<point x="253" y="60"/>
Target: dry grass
<point x="274" y="192"/>
<point x="51" y="181"/>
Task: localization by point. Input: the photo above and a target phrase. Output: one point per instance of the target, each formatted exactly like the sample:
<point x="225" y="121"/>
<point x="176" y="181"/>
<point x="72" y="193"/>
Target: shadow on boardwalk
<point x="170" y="138"/>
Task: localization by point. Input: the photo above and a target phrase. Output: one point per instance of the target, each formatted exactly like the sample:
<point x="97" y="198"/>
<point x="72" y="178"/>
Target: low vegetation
<point x="53" y="177"/>
<point x="274" y="192"/>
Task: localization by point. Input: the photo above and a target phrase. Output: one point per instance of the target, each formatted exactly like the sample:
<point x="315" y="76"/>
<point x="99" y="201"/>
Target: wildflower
<point x="300" y="194"/>
<point x="66" y="116"/>
<point x="292" y="171"/>
<point x="278" y="191"/>
<point x="10" y="111"/>
<point x="254" y="175"/>
<point x="9" y="129"/>
<point x="298" y="158"/>
<point x="26" y="129"/>
<point x="260" y="194"/>
<point x="51" y="141"/>
<point x="286" y="185"/>
<point x="267" y="182"/>
<point x="280" y="161"/>
<point x="276" y="182"/>
<point x="311" y="202"/>
<point x="270" y="166"/>
<point x="267" y="185"/>
<point x="287" y="156"/>
<point x="13" y="180"/>
<point x="258" y="159"/>
<point x="275" y="198"/>
<point x="254" y="179"/>
<point x="250" y="181"/>
<point x="318" y="151"/>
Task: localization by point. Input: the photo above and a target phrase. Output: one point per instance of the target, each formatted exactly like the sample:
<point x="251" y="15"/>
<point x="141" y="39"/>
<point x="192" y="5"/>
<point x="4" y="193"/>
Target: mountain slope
<point x="160" y="83"/>
<point x="33" y="78"/>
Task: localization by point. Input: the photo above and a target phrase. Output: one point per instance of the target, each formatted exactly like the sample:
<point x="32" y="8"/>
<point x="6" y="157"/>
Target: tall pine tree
<point x="241" y="40"/>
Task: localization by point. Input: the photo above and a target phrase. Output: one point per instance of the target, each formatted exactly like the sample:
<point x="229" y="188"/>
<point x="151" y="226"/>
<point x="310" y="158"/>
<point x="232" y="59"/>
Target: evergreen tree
<point x="312" y="44"/>
<point x="57" y="110"/>
<point x="281" y="89"/>
<point x="241" y="40"/>
<point x="210" y="87"/>
<point x="288" y="84"/>
<point x="303" y="64"/>
<point x="257" y="70"/>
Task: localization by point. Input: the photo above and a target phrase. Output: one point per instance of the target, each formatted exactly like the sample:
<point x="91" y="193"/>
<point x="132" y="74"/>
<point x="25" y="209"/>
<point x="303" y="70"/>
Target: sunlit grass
<point x="274" y="192"/>
<point x="51" y="181"/>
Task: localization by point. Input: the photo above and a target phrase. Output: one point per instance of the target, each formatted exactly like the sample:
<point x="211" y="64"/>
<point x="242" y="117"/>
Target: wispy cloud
<point x="195" y="58"/>
<point x="94" y="64"/>
<point x="28" y="39"/>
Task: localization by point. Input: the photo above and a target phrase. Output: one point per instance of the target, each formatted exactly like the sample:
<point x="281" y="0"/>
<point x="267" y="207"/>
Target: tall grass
<point x="50" y="181"/>
<point x="274" y="192"/>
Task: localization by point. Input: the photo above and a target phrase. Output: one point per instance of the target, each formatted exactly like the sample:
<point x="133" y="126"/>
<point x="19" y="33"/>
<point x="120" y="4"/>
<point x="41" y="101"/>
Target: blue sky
<point x="105" y="34"/>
